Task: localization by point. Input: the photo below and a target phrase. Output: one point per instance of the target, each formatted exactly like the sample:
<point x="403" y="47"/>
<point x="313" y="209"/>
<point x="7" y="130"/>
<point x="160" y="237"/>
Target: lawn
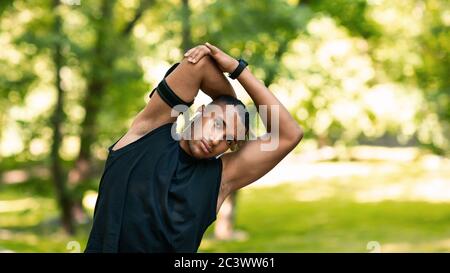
<point x="404" y="209"/>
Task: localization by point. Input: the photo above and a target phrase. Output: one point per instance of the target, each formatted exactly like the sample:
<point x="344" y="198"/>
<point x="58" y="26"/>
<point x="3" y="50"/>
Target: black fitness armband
<point x="242" y="64"/>
<point x="167" y="94"/>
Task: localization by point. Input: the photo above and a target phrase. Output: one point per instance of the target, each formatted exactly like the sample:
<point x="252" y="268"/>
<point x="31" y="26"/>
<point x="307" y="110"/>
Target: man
<point x="159" y="190"/>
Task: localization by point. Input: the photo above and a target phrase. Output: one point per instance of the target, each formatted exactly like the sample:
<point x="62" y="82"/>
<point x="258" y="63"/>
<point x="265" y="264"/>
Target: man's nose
<point x="214" y="138"/>
<point x="215" y="141"/>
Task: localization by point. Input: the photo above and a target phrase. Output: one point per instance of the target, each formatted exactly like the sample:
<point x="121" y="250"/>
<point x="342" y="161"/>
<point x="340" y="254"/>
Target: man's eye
<point x="218" y="124"/>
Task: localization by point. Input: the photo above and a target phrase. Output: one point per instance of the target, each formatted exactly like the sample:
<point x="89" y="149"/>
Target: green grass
<point x="282" y="224"/>
<point x="33" y="226"/>
<point x="319" y="215"/>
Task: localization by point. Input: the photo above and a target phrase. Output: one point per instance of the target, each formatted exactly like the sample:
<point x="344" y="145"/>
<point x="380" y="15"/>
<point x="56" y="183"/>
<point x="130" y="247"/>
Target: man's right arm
<point x="185" y="80"/>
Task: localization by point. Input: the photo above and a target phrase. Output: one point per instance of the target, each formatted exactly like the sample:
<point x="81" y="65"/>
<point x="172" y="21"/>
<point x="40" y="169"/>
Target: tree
<point x="110" y="46"/>
<point x="63" y="196"/>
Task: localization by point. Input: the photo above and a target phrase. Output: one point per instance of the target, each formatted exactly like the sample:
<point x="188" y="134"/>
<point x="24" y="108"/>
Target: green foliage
<point x="260" y="31"/>
<point x="352" y="14"/>
<point x="400" y="46"/>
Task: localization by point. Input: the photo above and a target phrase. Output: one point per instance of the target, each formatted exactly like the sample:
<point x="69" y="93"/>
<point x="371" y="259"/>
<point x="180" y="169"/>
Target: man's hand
<point x="194" y="54"/>
<point x="225" y="62"/>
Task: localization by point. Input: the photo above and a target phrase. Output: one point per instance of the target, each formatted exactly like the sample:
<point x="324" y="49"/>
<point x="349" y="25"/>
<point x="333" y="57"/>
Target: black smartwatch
<point x="239" y="69"/>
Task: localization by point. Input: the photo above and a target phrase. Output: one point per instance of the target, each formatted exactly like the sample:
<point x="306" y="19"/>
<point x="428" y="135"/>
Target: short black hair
<point x="243" y="114"/>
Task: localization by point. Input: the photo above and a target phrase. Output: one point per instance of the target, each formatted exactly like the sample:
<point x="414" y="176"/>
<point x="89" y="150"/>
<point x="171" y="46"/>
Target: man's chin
<point x="198" y="153"/>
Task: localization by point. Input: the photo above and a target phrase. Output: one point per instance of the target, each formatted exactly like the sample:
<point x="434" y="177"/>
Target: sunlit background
<point x="368" y="81"/>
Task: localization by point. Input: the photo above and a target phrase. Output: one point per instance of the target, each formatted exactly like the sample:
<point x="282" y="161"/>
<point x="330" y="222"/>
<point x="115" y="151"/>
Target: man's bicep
<point x="158" y="111"/>
<point x="252" y="161"/>
<point x="154" y="114"/>
<point x="185" y="80"/>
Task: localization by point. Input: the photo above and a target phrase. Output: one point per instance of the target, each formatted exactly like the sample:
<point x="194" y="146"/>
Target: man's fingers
<point x="188" y="52"/>
<point x="213" y="49"/>
<point x="191" y="53"/>
<point x="194" y="57"/>
<point x="208" y="51"/>
<point x="196" y="53"/>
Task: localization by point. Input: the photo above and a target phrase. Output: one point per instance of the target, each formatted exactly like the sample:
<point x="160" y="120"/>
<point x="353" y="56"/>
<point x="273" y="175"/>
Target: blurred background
<point x="367" y="80"/>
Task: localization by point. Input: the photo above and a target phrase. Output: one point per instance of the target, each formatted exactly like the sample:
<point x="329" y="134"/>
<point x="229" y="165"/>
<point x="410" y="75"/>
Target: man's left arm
<point x="257" y="157"/>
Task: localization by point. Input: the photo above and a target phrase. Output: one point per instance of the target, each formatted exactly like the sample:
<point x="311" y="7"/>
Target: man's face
<point x="215" y="131"/>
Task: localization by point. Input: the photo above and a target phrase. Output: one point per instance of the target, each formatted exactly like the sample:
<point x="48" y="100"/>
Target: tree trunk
<point x="186" y="39"/>
<point x="225" y="220"/>
<point x="98" y="81"/>
<point x="63" y="196"/>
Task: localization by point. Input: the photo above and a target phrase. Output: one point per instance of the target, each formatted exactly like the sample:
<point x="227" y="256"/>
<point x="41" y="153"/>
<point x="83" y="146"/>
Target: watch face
<point x="239" y="69"/>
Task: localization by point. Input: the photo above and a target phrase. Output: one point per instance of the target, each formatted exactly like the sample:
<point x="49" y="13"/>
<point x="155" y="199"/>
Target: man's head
<point x="223" y="124"/>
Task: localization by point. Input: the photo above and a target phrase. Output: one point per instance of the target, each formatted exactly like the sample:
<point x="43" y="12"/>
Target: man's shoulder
<point x="156" y="136"/>
<point x="144" y="128"/>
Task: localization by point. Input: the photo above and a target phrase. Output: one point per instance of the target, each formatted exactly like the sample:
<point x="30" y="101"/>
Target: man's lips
<point x="205" y="146"/>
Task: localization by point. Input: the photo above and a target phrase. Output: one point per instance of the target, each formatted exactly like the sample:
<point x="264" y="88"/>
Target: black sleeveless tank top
<point x="154" y="197"/>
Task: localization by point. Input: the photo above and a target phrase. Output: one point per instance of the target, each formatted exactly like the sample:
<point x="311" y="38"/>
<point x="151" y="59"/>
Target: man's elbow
<point x="297" y="134"/>
<point x="294" y="135"/>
